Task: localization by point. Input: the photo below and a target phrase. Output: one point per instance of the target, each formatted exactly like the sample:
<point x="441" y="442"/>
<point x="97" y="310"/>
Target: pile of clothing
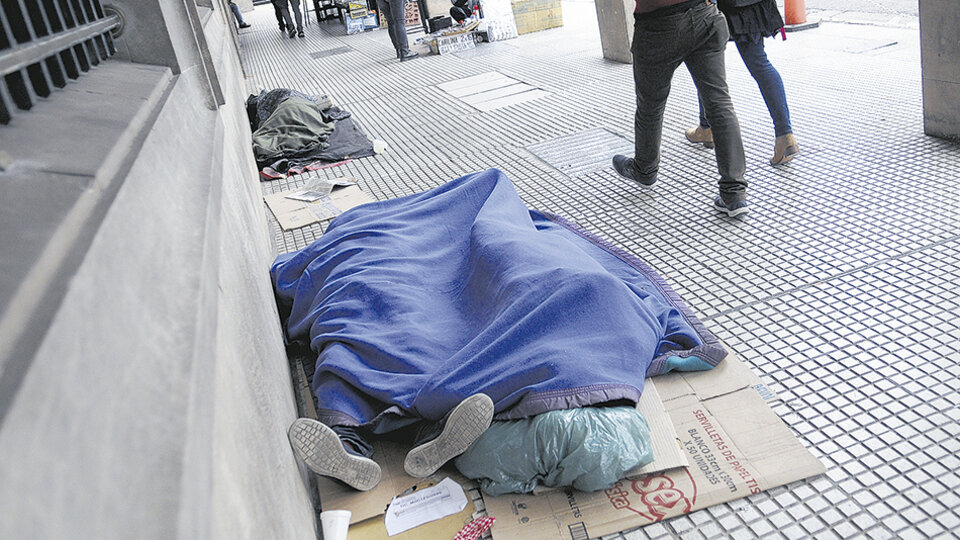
<point x="293" y="132"/>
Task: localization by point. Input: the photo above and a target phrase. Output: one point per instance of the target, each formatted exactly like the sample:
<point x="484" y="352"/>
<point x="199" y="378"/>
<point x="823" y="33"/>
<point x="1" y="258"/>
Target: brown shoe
<point x="785" y="149"/>
<point x="700" y="135"/>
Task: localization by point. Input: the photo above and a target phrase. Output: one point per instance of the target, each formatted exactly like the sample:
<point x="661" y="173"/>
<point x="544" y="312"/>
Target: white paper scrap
<point x="430" y="504"/>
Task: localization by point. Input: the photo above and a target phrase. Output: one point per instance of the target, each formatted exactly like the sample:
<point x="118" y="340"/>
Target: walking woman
<point x="749" y="22"/>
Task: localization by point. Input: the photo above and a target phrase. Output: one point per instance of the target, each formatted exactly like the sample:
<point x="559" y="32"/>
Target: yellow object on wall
<point x="536" y="15"/>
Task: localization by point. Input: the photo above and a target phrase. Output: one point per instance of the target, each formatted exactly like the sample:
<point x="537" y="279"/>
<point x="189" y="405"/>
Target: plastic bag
<point x="588" y="449"/>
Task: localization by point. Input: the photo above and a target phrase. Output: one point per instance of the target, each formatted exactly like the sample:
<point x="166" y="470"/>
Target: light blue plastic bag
<point x="588" y="449"/>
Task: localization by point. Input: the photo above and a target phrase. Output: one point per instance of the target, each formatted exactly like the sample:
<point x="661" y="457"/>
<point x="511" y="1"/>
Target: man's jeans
<point x="394" y="11"/>
<point x="285" y="11"/>
<point x="770" y="83"/>
<point x="696" y="37"/>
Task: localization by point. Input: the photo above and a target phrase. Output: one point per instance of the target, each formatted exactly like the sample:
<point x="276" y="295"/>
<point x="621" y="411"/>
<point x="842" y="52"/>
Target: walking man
<point x="693" y="32"/>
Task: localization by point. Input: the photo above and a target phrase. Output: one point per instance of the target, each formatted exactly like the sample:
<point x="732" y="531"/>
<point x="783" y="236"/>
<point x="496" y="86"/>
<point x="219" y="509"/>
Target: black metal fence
<point x="46" y="43"/>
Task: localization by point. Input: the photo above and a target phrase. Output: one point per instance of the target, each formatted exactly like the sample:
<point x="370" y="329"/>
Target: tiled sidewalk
<point x="840" y="288"/>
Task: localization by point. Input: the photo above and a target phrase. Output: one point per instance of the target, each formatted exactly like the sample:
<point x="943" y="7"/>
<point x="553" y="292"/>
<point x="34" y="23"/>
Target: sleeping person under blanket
<point x="432" y="313"/>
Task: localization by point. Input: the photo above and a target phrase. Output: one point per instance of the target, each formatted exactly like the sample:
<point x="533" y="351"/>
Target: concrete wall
<point x="157" y="394"/>
<point x="940" y="58"/>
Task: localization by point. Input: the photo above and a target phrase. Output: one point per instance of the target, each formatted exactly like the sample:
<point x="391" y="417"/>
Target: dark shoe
<point x="319" y="447"/>
<point x="734" y="209"/>
<point x="292" y="32"/>
<point x="283" y="27"/>
<point x="409" y="55"/>
<point x="624" y="167"/>
<point x="244" y="25"/>
<point x="300" y="33"/>
<point x="463" y="426"/>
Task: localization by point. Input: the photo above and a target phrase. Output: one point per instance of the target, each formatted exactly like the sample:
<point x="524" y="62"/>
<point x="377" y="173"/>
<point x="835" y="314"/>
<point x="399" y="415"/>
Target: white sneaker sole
<point x="321" y="450"/>
<point x="465" y="425"/>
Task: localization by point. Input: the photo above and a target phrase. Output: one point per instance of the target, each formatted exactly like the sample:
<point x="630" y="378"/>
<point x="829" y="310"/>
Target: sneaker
<point x="244" y="25"/>
<point x="624" y="167"/>
<point x="734" y="209"/>
<point x="700" y="135"/>
<point x="463" y="426"/>
<point x="283" y="27"/>
<point x="409" y="55"/>
<point x="300" y="33"/>
<point x="292" y="32"/>
<point x="320" y="449"/>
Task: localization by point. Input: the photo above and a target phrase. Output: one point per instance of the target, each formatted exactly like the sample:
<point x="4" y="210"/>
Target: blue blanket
<point x="413" y="304"/>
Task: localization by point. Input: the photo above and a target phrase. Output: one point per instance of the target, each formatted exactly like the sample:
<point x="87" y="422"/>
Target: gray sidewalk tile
<point x="839" y="288"/>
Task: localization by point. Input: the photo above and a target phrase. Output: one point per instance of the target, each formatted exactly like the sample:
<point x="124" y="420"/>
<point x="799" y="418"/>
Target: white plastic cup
<point x="335" y="524"/>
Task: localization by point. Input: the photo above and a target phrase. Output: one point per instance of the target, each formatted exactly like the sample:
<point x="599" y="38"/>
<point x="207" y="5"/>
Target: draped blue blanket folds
<point x="415" y="303"/>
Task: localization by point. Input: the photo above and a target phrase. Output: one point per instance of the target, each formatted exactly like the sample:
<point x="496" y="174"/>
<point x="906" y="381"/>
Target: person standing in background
<point x="749" y="21"/>
<point x="395" y="11"/>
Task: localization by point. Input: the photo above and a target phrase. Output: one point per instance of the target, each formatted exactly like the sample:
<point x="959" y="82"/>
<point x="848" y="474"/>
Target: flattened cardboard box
<point x="293" y="214"/>
<point x="365" y="505"/>
<point x="736" y="445"/>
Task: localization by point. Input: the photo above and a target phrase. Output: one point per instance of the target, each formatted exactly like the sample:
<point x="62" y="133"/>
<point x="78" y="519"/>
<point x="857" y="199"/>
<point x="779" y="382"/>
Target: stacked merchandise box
<point x="354" y="18"/>
<point x="536" y="15"/>
<point x="370" y="21"/>
<point x="357" y="10"/>
<point x="354" y="26"/>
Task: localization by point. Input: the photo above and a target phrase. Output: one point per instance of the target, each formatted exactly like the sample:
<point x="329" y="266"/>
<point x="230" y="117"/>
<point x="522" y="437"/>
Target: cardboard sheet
<point x="735" y="443"/>
<point x="316" y="202"/>
<point x="716" y="440"/>
<point x="667" y="453"/>
<point x="364" y="505"/>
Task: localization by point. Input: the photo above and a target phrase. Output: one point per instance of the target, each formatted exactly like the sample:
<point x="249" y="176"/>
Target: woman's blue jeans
<point x="770" y="83"/>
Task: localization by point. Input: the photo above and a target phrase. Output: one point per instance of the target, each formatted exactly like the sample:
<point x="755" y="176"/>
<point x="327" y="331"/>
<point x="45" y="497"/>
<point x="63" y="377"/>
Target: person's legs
<point x="770" y="83"/>
<point x="706" y="65"/>
<point x="439" y="442"/>
<point x="298" y="14"/>
<point x="387" y="6"/>
<point x="285" y="12"/>
<point x="279" y="14"/>
<point x="323" y="452"/>
<point x="396" y="26"/>
<point x="238" y="16"/>
<point x="771" y="88"/>
<point x="701" y="133"/>
<point x="657" y="50"/>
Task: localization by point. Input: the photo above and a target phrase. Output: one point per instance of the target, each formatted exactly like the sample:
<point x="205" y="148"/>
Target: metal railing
<point x="46" y="43"/>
